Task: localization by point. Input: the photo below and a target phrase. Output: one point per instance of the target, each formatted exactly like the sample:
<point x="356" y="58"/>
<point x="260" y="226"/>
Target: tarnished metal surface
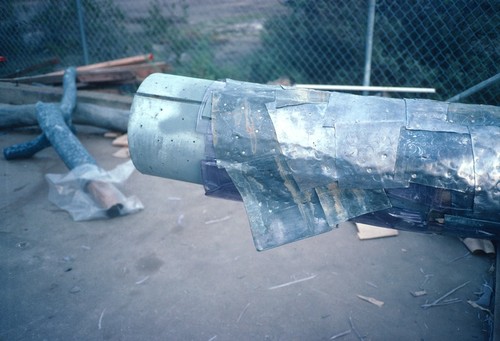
<point x="486" y="147"/>
<point x="246" y="146"/>
<point x="304" y="161"/>
<point x="405" y="162"/>
<point x="162" y="128"/>
<point x="436" y="159"/>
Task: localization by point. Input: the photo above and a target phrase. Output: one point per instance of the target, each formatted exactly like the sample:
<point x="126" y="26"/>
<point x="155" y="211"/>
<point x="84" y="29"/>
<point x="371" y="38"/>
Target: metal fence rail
<point x="447" y="45"/>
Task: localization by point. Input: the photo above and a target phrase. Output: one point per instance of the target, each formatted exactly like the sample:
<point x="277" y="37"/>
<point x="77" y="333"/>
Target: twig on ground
<point x="371" y="300"/>
<point x="292" y="282"/>
<point x="459" y="257"/>
<point x="426" y="280"/>
<point x="142" y="280"/>
<point x="208" y="222"/>
<point x="351" y="322"/>
<point x="99" y="324"/>
<point x="438" y="301"/>
<point x="339" y="335"/>
<point x="477" y="306"/>
<point x="243" y="312"/>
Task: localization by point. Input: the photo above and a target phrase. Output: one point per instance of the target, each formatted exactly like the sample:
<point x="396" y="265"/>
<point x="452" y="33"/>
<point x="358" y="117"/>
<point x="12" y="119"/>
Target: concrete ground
<point x="185" y="268"/>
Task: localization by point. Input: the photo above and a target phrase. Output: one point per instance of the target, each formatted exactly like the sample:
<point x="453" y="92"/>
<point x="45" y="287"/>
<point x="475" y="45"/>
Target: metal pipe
<point x="83" y="37"/>
<point x="162" y="131"/>
<point x="304" y="161"/>
<point x="365" y="88"/>
<point x="472" y="90"/>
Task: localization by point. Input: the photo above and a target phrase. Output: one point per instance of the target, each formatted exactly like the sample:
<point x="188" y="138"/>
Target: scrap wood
<point x="112" y="134"/>
<point x="116" y="75"/>
<point x="118" y="62"/>
<point x="418" y="293"/>
<point x="107" y="64"/>
<point x="118" y="71"/>
<point x="371" y="232"/>
<point x="122" y="74"/>
<point x="371" y="300"/>
<point x="121" y="141"/>
<point x="122" y="153"/>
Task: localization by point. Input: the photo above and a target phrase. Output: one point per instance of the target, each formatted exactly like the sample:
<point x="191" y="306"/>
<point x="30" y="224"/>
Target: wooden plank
<point x="119" y="74"/>
<point x="144" y="58"/>
<point x="58" y="74"/>
<point x="121" y="141"/>
<point x="127" y="74"/>
<point x="12" y="93"/>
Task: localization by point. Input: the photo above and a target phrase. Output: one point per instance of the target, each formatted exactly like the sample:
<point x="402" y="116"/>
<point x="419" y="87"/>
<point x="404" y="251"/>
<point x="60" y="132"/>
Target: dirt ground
<point x="185" y="268"/>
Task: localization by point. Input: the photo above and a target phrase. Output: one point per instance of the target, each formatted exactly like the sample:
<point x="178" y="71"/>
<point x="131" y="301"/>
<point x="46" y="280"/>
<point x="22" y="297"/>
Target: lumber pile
<point x="110" y="73"/>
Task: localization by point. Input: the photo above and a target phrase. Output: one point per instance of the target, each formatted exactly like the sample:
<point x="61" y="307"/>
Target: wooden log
<point x="103" y="117"/>
<point x="12" y="93"/>
<point x="16" y="116"/>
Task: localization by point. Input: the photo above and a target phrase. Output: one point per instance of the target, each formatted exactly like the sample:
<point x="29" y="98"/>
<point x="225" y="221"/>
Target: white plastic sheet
<point x="71" y="192"/>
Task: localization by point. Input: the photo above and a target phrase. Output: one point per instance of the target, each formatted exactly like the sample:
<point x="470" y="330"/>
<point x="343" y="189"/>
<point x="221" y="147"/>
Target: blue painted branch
<point x="63" y="140"/>
<point x="26" y="150"/>
<point x="68" y="102"/>
<point x="55" y="122"/>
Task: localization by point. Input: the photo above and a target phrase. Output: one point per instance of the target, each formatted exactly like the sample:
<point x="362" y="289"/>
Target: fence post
<point x="369" y="44"/>
<point x="83" y="38"/>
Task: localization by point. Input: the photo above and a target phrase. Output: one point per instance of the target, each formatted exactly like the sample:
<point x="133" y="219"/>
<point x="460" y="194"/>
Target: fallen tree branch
<point x="17" y="116"/>
<point x="15" y="93"/>
<point x="438" y="301"/>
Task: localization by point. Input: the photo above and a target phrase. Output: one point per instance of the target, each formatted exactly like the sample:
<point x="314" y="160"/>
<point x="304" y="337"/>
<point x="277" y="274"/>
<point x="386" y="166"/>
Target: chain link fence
<point x="447" y="45"/>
